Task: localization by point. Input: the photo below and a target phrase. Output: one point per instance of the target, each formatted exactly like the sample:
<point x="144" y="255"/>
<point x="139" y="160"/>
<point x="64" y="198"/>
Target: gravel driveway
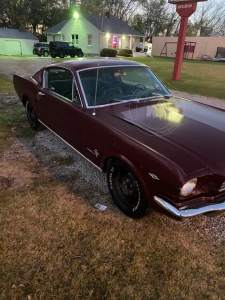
<point x="45" y="142"/>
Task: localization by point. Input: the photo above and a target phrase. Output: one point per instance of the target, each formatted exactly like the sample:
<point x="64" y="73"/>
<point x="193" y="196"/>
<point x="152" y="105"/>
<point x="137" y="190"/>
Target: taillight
<point x="39" y="49"/>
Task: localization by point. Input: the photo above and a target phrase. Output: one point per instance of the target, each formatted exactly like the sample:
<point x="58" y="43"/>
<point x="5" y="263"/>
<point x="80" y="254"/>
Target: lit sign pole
<point x="185" y="9"/>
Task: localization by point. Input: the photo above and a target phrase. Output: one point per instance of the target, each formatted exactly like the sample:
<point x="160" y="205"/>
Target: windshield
<point x="119" y="84"/>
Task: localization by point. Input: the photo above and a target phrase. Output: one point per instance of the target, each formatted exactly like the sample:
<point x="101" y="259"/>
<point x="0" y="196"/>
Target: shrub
<point x="125" y="52"/>
<point x="109" y="52"/>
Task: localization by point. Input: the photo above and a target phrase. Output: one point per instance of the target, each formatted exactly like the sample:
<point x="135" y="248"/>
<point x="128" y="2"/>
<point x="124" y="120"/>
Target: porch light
<point x="75" y="15"/>
<point x="123" y="37"/>
<point x="107" y="35"/>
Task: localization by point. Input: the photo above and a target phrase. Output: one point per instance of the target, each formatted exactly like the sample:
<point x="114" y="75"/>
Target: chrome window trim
<point x="70" y="145"/>
<point x="45" y="84"/>
<point x="117" y="103"/>
<point x="222" y="188"/>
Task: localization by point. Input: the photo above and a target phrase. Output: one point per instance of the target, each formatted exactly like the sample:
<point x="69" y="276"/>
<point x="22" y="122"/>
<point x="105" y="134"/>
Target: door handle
<point x="41" y="94"/>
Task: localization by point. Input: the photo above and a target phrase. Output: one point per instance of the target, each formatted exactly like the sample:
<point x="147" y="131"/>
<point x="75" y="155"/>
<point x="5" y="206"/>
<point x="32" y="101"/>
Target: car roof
<point x="81" y="64"/>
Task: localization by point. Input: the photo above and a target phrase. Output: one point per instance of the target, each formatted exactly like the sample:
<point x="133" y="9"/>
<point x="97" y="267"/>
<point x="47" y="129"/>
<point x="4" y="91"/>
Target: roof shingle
<point x="16" y="34"/>
<point x="112" y="25"/>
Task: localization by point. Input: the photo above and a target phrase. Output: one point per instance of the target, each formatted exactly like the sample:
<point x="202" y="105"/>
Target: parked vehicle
<point x="158" y="151"/>
<point x="41" y="49"/>
<point x="63" y="49"/>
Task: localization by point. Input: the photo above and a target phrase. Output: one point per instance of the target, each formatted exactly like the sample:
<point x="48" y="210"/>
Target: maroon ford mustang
<point x="159" y="151"/>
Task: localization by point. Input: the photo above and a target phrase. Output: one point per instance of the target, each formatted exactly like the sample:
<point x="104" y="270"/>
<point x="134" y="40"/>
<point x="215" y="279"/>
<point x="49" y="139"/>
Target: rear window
<point x="43" y="44"/>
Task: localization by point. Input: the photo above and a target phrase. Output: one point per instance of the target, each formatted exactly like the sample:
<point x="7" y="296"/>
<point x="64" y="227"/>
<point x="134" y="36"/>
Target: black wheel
<point x="72" y="55"/>
<point x="61" y="54"/>
<point x="126" y="190"/>
<point x="45" y="53"/>
<point x="80" y="54"/>
<point x="53" y="55"/>
<point x="33" y="119"/>
<point x="39" y="55"/>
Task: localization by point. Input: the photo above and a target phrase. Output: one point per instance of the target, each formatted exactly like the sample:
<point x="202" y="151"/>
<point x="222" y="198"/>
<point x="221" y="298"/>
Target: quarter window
<point x="60" y="81"/>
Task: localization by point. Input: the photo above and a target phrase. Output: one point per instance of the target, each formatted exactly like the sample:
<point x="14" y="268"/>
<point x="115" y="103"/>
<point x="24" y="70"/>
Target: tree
<point x="121" y="9"/>
<point x="137" y="23"/>
<point x="159" y="18"/>
<point x="208" y="18"/>
<point x="12" y="13"/>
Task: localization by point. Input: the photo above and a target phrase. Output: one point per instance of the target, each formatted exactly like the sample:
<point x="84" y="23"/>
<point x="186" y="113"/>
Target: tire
<point x="72" y="55"/>
<point x="45" y="53"/>
<point x="33" y="119"/>
<point x="39" y="55"/>
<point x="80" y="54"/>
<point x="53" y="55"/>
<point x="126" y="190"/>
<point x="61" y="54"/>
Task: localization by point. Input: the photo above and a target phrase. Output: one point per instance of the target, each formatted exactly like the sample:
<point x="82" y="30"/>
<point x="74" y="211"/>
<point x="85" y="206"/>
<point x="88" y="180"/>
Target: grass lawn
<point x="6" y="85"/>
<point x="204" y="78"/>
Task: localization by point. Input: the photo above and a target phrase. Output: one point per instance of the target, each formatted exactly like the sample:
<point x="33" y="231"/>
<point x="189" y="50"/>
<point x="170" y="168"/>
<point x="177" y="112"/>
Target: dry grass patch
<point x="55" y="246"/>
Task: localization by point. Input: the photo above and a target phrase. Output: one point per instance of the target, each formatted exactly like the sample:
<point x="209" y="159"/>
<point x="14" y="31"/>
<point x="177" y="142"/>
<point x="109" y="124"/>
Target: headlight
<point x="188" y="187"/>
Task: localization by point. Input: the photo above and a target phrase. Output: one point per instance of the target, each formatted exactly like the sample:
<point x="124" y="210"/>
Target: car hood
<point x="190" y="134"/>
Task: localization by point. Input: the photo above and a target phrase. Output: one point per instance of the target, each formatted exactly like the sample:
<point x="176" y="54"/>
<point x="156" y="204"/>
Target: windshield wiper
<point x="154" y="95"/>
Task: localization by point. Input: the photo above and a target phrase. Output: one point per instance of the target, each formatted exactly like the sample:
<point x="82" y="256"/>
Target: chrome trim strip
<point x="154" y="176"/>
<point x="70" y="146"/>
<point x="222" y="188"/>
<point x="187" y="213"/>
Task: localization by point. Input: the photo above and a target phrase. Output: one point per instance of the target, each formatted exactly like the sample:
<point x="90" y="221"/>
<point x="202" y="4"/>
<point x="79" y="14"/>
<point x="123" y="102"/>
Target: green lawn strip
<point x="6" y="85"/>
<point x="13" y="119"/>
<point x="204" y="78"/>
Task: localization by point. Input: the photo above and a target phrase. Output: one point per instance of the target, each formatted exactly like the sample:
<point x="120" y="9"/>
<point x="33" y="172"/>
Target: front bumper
<point x="187" y="213"/>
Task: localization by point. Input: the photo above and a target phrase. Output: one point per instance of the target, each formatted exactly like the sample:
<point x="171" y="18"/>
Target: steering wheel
<point x="139" y="89"/>
<point x="112" y="91"/>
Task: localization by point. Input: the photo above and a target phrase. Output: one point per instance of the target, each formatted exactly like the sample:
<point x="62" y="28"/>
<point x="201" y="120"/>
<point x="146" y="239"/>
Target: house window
<point x="75" y="39"/>
<point x="89" y="39"/>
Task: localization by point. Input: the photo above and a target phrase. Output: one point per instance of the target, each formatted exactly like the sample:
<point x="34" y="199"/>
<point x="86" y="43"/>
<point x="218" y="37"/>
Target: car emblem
<point x="154" y="176"/>
<point x="95" y="152"/>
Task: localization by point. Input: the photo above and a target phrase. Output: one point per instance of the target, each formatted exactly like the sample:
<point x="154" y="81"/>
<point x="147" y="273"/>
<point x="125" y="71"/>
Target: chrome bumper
<point x="220" y="207"/>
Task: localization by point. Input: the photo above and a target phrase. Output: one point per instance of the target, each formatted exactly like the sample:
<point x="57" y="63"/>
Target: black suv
<point x="41" y="49"/>
<point x="63" y="49"/>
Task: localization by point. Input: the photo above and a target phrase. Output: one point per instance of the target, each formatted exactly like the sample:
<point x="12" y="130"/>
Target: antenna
<point x="96" y="85"/>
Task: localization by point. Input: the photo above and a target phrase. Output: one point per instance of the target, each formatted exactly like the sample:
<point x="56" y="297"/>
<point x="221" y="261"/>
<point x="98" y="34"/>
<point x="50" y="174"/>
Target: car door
<point x="59" y="105"/>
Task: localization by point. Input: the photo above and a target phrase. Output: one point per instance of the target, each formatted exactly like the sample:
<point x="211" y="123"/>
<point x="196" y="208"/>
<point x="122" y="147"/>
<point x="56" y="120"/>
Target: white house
<point x="16" y="42"/>
<point x="92" y="33"/>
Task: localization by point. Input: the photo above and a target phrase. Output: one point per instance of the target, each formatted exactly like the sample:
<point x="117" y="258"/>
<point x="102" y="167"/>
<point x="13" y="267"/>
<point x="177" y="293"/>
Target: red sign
<point x="181" y="1"/>
<point x="186" y="9"/>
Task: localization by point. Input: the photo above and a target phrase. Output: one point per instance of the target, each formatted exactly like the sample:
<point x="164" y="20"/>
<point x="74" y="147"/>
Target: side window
<point x="89" y="39"/>
<point x="75" y="39"/>
<point x="61" y="82"/>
